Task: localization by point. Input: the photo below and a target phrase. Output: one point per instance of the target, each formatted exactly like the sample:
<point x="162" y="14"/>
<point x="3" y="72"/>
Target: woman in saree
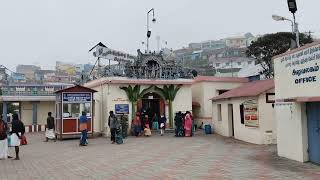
<point x="137" y="124"/>
<point x="188" y="124"/>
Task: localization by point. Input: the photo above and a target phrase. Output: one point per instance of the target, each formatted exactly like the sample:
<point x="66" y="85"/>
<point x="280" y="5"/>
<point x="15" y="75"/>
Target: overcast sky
<point x="43" y="31"/>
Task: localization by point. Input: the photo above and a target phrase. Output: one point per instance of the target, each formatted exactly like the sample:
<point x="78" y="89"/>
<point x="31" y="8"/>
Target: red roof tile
<point x="247" y="90"/>
<point x="219" y="79"/>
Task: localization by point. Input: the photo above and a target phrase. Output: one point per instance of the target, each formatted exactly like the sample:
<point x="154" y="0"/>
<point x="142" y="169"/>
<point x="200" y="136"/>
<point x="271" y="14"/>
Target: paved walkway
<point x="166" y="157"/>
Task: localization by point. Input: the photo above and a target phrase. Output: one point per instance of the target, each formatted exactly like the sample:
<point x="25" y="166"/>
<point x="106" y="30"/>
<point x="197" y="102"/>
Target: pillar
<point x="34" y="113"/>
<point x="167" y="113"/>
<point x="5" y="111"/>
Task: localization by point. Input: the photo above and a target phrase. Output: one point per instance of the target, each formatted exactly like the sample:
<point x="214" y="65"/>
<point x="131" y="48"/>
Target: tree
<point x="169" y="93"/>
<point x="270" y="45"/>
<point x="134" y="94"/>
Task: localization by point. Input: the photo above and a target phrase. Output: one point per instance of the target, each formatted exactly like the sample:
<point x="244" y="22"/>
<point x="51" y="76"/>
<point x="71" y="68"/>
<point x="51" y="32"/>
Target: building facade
<point x="247" y="113"/>
<point x="35" y="101"/>
<point x="297" y="87"/>
<point x="206" y="87"/>
<point x="28" y="71"/>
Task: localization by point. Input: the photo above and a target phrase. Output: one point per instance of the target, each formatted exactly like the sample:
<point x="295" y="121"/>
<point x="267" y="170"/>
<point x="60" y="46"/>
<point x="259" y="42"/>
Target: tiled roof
<point x="219" y="79"/>
<point x="248" y="90"/>
<point x="122" y="80"/>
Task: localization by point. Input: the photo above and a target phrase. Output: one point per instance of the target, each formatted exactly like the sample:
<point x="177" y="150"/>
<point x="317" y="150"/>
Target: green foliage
<point x="169" y="92"/>
<point x="134" y="94"/>
<point x="124" y="124"/>
<point x="271" y="45"/>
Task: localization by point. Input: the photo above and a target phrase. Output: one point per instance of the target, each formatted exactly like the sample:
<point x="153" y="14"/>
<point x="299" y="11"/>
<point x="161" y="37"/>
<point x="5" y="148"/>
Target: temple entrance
<point x="152" y="104"/>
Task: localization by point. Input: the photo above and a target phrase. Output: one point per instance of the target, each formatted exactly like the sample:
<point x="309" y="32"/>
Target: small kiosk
<point x="70" y="103"/>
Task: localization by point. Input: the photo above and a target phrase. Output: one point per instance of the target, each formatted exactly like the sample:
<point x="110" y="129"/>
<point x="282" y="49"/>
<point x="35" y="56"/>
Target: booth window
<point x="74" y="110"/>
<point x="219" y="112"/>
<point x="242" y="113"/>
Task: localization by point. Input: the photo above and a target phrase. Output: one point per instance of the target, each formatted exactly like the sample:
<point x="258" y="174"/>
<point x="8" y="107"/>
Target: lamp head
<point x="292" y="5"/>
<point x="278" y="18"/>
<point x="154" y="20"/>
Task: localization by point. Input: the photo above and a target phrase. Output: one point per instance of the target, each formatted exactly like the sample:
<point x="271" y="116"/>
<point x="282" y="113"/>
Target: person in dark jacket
<point x="179" y="124"/>
<point x="113" y="124"/>
<point x="50" y="128"/>
<point x="17" y="129"/>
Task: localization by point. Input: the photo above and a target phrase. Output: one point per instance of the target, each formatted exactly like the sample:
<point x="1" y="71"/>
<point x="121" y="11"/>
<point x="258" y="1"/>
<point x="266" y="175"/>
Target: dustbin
<point x="207" y="129"/>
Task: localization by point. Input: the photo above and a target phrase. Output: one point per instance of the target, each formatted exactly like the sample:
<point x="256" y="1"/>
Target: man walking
<point x="83" y="128"/>
<point x="50" y="134"/>
<point x="113" y="124"/>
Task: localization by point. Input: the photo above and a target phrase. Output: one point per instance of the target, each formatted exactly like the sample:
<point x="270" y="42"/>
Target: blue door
<point x="313" y="114"/>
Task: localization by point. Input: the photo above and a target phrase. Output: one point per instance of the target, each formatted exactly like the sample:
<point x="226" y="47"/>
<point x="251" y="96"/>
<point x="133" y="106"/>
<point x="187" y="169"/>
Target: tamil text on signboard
<point x="77" y="97"/>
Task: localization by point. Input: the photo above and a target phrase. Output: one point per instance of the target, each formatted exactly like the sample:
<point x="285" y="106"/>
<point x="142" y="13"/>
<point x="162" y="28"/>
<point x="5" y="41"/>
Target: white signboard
<point x="297" y="74"/>
<point x="251" y="116"/>
<point x="107" y="53"/>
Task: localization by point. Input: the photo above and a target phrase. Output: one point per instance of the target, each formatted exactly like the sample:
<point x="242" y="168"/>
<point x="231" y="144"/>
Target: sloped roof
<point x="76" y="88"/>
<point x="219" y="79"/>
<point x="247" y="90"/>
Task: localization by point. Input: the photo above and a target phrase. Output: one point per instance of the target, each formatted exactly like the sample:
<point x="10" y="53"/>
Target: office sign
<point x="76" y="97"/>
<point x="297" y="73"/>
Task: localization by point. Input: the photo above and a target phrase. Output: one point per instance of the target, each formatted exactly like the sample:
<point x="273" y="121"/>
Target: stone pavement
<point x="156" y="157"/>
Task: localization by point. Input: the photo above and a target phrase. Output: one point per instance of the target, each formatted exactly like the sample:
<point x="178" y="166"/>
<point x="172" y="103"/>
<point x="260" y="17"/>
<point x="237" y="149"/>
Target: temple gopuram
<point x="155" y="66"/>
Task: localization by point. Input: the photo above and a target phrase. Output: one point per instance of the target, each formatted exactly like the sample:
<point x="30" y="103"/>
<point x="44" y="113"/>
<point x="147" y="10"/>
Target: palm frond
<point x="161" y="91"/>
<point x="143" y="92"/>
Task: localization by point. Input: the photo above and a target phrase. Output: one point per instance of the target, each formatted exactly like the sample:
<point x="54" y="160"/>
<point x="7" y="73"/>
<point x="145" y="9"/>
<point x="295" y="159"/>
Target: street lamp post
<point x="292" y="5"/>
<point x="294" y="25"/>
<point x="148" y="30"/>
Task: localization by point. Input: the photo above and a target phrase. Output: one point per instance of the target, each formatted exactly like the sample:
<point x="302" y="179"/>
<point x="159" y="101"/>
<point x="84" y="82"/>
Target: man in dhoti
<point x="50" y="130"/>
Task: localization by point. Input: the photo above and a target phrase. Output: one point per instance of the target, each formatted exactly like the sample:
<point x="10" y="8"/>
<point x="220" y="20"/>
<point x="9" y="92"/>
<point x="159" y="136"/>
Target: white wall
<point x="292" y="131"/>
<point x="220" y="126"/>
<point x="290" y="83"/>
<point x="43" y="107"/>
<point x="241" y="132"/>
<point x="112" y="95"/>
<point x="42" y="113"/>
<point x="202" y="92"/>
<point x="26" y="113"/>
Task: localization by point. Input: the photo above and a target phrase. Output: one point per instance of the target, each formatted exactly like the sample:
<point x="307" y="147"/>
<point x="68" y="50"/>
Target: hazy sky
<point x="43" y="31"/>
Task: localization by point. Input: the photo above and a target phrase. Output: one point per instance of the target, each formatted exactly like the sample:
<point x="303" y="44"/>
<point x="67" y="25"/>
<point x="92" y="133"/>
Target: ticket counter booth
<point x="70" y="103"/>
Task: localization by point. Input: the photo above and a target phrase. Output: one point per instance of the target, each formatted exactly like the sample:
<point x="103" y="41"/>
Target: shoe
<point x="17" y="158"/>
<point x="10" y="157"/>
<point x="112" y="142"/>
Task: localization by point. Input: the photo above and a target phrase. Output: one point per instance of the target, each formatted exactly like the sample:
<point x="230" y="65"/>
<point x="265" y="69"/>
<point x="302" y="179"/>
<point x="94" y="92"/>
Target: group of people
<point x="142" y="124"/>
<point x="11" y="138"/>
<point x="183" y="124"/>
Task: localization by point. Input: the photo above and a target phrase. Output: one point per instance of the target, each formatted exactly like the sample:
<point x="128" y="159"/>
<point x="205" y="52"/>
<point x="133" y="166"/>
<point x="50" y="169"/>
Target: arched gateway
<point x="152" y="103"/>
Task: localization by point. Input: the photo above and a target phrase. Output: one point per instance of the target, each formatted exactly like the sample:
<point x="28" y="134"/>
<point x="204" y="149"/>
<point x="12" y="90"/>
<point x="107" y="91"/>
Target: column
<point x="5" y="111"/>
<point x="167" y="114"/>
<point x="34" y="113"/>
